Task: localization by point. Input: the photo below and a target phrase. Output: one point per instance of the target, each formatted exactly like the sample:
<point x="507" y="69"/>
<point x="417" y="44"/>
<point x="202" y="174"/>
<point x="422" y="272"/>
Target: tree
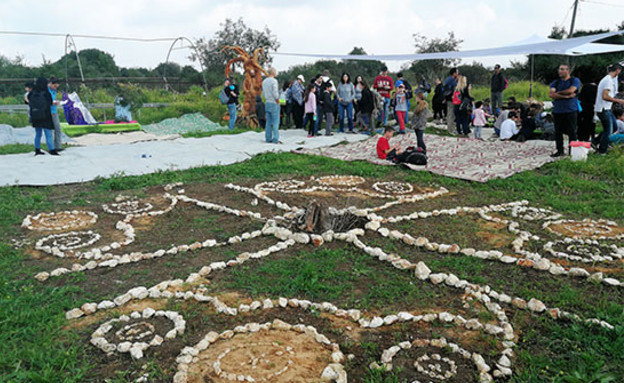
<point x="434" y="68"/>
<point x="232" y="33"/>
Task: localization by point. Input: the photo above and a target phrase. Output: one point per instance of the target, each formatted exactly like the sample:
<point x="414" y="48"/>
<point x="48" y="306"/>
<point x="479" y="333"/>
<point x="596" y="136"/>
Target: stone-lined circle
<point x="432" y="366"/>
<point x="63" y="220"/>
<point x="127" y="207"/>
<point x="257" y="352"/>
<point x="57" y="243"/>
<point x="587" y="228"/>
<point x="136" y="334"/>
<point x="392" y="187"/>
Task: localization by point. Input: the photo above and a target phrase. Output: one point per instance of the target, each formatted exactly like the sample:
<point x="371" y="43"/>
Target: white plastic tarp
<point x="570" y="47"/>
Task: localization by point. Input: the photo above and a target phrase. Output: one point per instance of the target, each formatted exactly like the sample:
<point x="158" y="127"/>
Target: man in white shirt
<point x="271" y="96"/>
<point x="508" y="128"/>
<point x="607" y="89"/>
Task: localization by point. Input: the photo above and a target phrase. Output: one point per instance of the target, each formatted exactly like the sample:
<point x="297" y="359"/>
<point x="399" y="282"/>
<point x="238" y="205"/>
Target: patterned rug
<point x="463" y="158"/>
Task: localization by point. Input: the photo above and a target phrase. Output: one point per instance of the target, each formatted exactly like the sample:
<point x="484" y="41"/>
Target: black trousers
<point x="565" y="123"/>
<point x="297" y="111"/>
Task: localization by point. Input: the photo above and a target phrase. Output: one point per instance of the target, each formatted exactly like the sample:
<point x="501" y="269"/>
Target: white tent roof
<point x="534" y="45"/>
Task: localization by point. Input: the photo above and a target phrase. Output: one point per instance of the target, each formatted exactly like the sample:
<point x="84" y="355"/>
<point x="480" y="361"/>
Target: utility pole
<point x="573" y="18"/>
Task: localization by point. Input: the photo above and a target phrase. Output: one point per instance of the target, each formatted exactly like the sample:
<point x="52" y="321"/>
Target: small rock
<point x="73" y="314"/>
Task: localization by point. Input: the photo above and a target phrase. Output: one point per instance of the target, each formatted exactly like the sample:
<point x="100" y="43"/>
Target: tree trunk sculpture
<point x="252" y="85"/>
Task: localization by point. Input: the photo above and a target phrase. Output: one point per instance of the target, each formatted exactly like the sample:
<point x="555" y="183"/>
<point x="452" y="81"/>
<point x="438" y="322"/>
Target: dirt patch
<point x="284" y="356"/>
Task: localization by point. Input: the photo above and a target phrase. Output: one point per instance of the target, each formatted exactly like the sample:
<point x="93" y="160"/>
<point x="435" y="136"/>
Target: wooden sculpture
<point x="252" y="85"/>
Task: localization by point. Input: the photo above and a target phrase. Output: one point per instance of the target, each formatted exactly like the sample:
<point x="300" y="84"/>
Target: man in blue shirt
<point x="563" y="91"/>
<point x="448" y="88"/>
<point x="53" y="85"/>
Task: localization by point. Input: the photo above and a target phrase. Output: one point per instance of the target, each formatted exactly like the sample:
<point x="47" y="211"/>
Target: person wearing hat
<point x="296" y="92"/>
<point x="400" y="105"/>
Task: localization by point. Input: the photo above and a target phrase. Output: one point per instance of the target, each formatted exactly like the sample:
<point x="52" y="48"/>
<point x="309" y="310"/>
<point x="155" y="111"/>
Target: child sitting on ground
<point x="384" y="150"/>
<point x="618" y="136"/>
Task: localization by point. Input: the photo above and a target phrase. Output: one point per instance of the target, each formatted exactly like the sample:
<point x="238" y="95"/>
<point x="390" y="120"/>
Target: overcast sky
<point x="313" y="26"/>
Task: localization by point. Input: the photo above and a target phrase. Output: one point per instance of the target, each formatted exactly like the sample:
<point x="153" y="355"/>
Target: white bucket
<point x="579" y="153"/>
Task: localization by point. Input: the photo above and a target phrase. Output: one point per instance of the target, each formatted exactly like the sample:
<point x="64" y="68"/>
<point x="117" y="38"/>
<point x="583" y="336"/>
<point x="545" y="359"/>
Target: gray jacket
<point x="346" y="92"/>
<point x="270" y="90"/>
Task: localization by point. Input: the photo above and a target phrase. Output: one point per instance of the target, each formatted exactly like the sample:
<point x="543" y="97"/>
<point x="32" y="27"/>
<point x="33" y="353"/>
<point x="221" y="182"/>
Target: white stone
<point x="136" y="353"/>
<point x="148" y="312"/>
<point x="73" y="314"/>
<point x="536" y="305"/>
<point x="329" y="374"/>
<point x="376" y="322"/>
<point x="421" y="271"/>
<point x="611" y="282"/>
<point x="542" y="264"/>
<point x="89" y="308"/>
<point x="438" y="278"/>
<point x="578" y="272"/>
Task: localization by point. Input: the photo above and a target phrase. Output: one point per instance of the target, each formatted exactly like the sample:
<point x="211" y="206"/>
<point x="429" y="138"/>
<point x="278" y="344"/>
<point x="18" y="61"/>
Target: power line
<point x="603" y="3"/>
<point x="51" y="34"/>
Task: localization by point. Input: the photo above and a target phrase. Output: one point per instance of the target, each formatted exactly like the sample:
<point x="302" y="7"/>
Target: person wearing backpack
<point x="40" y="103"/>
<point x="450" y="83"/>
<point x="563" y="91"/>
<point x="497" y="85"/>
<point x="462" y="106"/>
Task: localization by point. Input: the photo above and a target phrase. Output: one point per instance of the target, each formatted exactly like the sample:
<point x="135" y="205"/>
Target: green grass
<point x="36" y="347"/>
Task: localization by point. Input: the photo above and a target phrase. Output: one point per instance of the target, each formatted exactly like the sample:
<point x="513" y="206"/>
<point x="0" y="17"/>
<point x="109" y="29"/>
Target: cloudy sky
<point x="312" y="26"/>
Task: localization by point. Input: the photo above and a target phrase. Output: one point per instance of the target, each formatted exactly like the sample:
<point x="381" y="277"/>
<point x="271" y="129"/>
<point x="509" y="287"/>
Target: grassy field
<point x="38" y="344"/>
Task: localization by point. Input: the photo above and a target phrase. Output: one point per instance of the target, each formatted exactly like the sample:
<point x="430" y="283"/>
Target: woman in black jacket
<point x="40" y="101"/>
<point x="366" y="105"/>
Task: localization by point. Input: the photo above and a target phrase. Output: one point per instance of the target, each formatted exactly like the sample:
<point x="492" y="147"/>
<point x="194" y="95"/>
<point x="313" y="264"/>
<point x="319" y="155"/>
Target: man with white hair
<point x="271" y="95"/>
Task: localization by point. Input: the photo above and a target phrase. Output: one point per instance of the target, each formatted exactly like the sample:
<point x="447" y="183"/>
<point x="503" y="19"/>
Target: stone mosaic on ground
<point x="286" y="339"/>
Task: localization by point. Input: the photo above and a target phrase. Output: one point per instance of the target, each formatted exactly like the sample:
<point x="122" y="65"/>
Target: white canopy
<point x="534" y="45"/>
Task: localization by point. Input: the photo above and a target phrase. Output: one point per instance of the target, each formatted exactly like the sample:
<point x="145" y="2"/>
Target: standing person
<point x="309" y="100"/>
<point x="260" y="112"/>
<point x="358" y="96"/>
<point x="231" y="89"/>
<point x="40" y="103"/>
<point x="383" y="85"/>
<point x="565" y="106"/>
<point x="285" y="104"/>
<point x="586" y="125"/>
<point x="53" y="85"/>
<point x="318" y="81"/>
<point x="400" y="106"/>
<point x="28" y="87"/>
<point x="424" y="86"/>
<point x="296" y="93"/>
<point x="480" y="120"/>
<point x="419" y="119"/>
<point x="439" y="109"/>
<point x="497" y="86"/>
<point x="328" y="108"/>
<point x="367" y="104"/>
<point x="450" y="83"/>
<point x="346" y="95"/>
<point x="271" y="95"/>
<point x="462" y="106"/>
<point x="605" y="97"/>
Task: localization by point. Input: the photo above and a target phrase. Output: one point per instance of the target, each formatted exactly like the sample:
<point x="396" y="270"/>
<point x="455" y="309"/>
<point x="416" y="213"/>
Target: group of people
<point x="355" y="103"/>
<point x="40" y="97"/>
